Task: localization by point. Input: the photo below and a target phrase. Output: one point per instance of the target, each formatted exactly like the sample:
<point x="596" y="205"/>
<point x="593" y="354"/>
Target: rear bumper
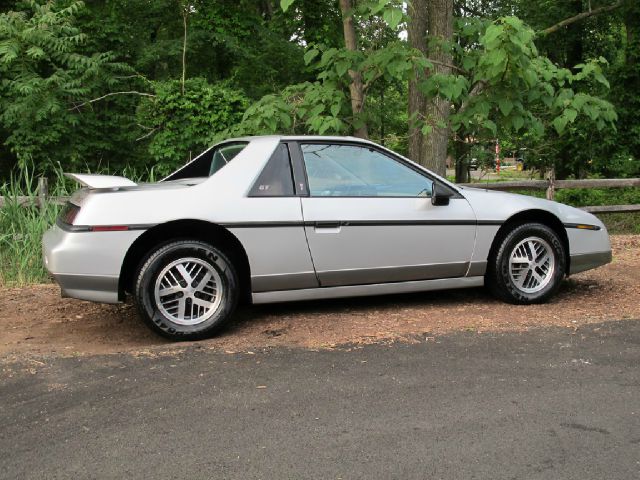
<point x="587" y="261"/>
<point x="95" y="288"/>
<point x="87" y="265"/>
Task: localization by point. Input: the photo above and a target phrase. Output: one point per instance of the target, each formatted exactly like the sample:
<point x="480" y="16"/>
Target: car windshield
<point x="209" y="162"/>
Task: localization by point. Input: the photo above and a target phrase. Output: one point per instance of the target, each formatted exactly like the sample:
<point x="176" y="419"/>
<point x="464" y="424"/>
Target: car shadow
<point x="253" y="313"/>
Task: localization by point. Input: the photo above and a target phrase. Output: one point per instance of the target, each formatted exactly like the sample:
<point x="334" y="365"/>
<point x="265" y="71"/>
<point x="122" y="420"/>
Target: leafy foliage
<point x="599" y="196"/>
<point x="181" y="125"/>
<point x="286" y="62"/>
<point x="506" y="87"/>
<point x="44" y="75"/>
<point x="502" y="86"/>
<point x="583" y="148"/>
<point x="303" y="108"/>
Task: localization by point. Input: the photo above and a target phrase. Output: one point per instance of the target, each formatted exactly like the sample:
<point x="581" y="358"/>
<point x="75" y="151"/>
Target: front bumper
<point x="588" y="248"/>
<point x="586" y="261"/>
<point x="87" y="265"/>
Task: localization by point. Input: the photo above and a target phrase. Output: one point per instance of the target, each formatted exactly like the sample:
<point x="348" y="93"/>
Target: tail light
<point x="69" y="213"/>
<point x="67" y="218"/>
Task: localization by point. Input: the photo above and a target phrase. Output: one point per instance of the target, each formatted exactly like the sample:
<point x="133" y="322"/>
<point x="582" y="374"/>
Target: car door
<point x="271" y="229"/>
<point x="369" y="218"/>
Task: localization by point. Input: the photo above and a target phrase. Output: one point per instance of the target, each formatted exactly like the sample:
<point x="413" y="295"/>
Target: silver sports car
<point x="280" y="218"/>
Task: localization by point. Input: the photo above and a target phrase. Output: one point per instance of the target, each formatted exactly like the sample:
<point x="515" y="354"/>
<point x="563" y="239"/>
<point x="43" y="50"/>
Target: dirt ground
<point x="36" y="323"/>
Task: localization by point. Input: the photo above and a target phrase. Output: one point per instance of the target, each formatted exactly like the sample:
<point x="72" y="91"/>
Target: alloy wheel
<point x="531" y="265"/>
<point x="188" y="291"/>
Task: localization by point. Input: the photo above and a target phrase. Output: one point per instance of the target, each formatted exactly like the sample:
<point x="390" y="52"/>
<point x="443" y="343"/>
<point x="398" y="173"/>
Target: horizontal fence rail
<point x="549" y="185"/>
<point x="557" y="184"/>
<point x="612" y="209"/>
<point x="33" y="201"/>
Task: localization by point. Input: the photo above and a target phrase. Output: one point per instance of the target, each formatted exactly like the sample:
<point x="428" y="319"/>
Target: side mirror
<point x="440" y="195"/>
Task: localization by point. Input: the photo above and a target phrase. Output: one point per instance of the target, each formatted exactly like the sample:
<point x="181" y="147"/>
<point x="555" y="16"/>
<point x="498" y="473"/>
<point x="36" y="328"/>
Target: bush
<point x="582" y="197"/>
<point x="182" y="125"/>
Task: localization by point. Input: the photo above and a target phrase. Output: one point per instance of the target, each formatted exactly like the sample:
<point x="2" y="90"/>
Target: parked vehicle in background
<point x="284" y="218"/>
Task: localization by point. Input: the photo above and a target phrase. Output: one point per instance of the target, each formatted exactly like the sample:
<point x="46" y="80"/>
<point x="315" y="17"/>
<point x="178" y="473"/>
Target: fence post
<point x="43" y="191"/>
<point x="551" y="189"/>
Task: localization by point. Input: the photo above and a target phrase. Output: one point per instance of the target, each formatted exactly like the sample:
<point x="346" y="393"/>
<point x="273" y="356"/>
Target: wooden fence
<point x="549" y="185"/>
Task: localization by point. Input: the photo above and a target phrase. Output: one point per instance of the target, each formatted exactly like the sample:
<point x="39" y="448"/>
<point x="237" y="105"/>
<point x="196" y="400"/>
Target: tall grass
<point x="22" y="224"/>
<point x="21" y="229"/>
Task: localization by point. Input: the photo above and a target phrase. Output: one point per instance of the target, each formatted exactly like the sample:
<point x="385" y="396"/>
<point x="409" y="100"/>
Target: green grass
<point x="582" y="197"/>
<point x="513" y="175"/>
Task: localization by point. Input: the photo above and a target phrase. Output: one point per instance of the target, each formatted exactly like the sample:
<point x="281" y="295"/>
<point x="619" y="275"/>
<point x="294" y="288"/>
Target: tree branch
<point x="132" y="92"/>
<point x="580" y="16"/>
<point x="472" y="11"/>
<point x="185" y="13"/>
<point x="447" y="65"/>
<point x="475" y="91"/>
<point x="148" y="134"/>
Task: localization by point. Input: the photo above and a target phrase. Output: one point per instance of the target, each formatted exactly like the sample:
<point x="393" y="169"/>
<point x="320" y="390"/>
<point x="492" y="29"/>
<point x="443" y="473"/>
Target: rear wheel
<point x="528" y="266"/>
<point x="186" y="290"/>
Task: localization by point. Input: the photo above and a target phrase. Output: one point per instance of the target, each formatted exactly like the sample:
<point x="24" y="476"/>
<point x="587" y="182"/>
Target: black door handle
<point x="327" y="225"/>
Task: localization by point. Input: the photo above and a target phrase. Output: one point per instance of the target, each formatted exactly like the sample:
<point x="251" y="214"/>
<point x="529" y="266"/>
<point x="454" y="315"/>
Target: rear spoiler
<point x="100" y="181"/>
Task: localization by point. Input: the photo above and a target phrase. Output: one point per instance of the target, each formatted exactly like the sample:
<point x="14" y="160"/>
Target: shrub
<point x="184" y="124"/>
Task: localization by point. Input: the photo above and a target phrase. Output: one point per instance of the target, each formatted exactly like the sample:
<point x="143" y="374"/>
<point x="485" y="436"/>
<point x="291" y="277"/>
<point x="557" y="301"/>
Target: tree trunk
<point x="625" y="88"/>
<point x="437" y="110"/>
<point x="566" y="163"/>
<point x="185" y="14"/>
<point x="460" y="152"/>
<point x="631" y="12"/>
<point x="266" y="9"/>
<point x="417" y="37"/>
<point x="356" y="88"/>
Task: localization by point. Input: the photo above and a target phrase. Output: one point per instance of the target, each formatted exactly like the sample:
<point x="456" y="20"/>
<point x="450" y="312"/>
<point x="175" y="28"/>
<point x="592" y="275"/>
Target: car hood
<point x="492" y="205"/>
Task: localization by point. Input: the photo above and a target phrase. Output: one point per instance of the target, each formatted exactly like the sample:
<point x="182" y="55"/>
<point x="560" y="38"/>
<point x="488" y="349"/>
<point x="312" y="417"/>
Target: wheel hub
<point x="531" y="265"/>
<point x="188" y="291"/>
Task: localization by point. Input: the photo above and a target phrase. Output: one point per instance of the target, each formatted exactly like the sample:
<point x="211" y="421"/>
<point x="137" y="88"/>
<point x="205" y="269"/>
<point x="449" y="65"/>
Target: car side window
<point x="209" y="162"/>
<point x="354" y="171"/>
<point x="223" y="155"/>
<point x="276" y="179"/>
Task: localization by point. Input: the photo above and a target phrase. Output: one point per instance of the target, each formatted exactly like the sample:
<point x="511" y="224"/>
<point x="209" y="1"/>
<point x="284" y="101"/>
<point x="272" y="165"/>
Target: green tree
<point x="470" y="72"/>
<point x="45" y="77"/>
<point x="499" y="85"/>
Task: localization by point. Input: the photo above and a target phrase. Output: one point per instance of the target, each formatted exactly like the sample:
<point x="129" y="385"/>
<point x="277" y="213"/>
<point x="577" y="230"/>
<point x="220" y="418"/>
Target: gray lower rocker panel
<point x="285" y="281"/>
<point x="370" y="276"/>
<point x="587" y="261"/>
<point x="366" y="290"/>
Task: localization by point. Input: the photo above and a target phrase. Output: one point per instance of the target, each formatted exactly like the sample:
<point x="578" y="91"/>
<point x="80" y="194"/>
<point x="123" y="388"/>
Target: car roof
<point x="324" y="138"/>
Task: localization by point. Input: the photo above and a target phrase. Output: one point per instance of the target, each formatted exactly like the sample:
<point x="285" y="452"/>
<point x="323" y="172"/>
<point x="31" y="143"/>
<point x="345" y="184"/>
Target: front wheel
<point x="528" y="265"/>
<point x="186" y="290"/>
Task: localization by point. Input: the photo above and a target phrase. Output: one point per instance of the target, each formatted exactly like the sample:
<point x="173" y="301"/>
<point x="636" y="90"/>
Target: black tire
<point x="499" y="278"/>
<point x="158" y="318"/>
